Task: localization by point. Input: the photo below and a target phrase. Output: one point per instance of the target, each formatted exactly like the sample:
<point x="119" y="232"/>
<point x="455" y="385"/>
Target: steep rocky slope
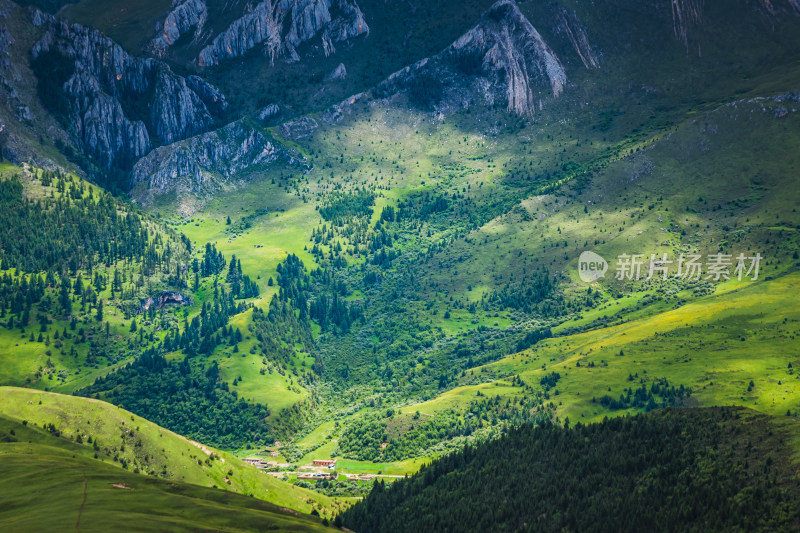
<point x="185" y="16"/>
<point x="114" y="105"/>
<point x="502" y="59"/>
<point x="23" y="119"/>
<point x="282" y="26"/>
<point x="201" y="164"/>
<point x="688" y="15"/>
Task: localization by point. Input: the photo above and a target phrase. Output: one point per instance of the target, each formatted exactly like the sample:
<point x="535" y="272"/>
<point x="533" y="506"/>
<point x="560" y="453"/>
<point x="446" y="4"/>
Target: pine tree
<point x="64" y="298"/>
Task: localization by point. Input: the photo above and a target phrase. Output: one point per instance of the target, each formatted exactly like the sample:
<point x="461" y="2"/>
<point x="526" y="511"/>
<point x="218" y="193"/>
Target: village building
<point x="255" y="461"/>
<point x="313" y="476"/>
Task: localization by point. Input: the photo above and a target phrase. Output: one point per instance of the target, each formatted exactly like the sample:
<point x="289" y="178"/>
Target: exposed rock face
<point x="569" y="26"/>
<point x="337" y="112"/>
<point x="116" y="101"/>
<point x="350" y="23"/>
<point x="300" y="128"/>
<point x="272" y="110"/>
<point x="23" y="122"/>
<point x="6" y="40"/>
<point x="339" y="73"/>
<point x="185" y="16"/>
<point x="211" y="96"/>
<point x="685" y="13"/>
<point x="166" y="298"/>
<point x="100" y="124"/>
<point x="502" y="59"/>
<point x="204" y="162"/>
<point x="283" y="25"/>
<point x="9" y="77"/>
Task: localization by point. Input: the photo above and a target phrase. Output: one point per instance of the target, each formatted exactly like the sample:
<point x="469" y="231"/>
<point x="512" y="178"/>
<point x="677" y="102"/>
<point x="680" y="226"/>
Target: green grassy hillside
<point x="49" y="483"/>
<point x="74" y="311"/>
<point x="133" y="444"/>
<point x="438" y="300"/>
<point x="42" y="343"/>
<point x="442" y="322"/>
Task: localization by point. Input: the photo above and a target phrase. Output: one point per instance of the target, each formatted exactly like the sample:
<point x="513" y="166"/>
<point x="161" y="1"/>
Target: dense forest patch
<point x="717" y="469"/>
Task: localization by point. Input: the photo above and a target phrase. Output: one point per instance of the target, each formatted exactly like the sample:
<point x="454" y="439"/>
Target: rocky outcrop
<point x="339" y="73"/>
<point x="283" y="25"/>
<point x="99" y="122"/>
<point x="210" y="95"/>
<point x="23" y="123"/>
<point x="185" y="16"/>
<point x="502" y="59"/>
<point x="272" y="110"/>
<point x="337" y="112"/>
<point x="570" y="27"/>
<point x="203" y="163"/>
<point x="300" y="128"/>
<point x="115" y="102"/>
<point x="9" y="78"/>
<point x="166" y="298"/>
<point x="350" y="23"/>
<point x="6" y="40"/>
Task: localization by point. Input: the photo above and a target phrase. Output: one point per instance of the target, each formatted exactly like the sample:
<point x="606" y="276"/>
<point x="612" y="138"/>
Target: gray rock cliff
<point x="501" y="59"/>
<point x="339" y="73"/>
<point x="185" y="16"/>
<point x="203" y="163"/>
<point x="119" y="106"/>
<point x="281" y="26"/>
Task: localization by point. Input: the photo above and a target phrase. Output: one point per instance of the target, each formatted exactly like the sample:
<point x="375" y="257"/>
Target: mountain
<point x="185" y="16"/>
<point x="114" y="105"/>
<point x="481" y="221"/>
<point x="502" y="59"/>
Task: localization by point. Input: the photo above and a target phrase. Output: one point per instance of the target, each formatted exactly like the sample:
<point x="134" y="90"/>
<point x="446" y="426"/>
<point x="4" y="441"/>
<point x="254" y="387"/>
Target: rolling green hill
<point x="135" y="445"/>
<point x="81" y="493"/>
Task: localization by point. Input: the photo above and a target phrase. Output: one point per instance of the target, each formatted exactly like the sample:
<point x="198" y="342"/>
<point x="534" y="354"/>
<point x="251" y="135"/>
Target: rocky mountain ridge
<point x="502" y="59"/>
<point x="185" y="15"/>
<point x="281" y="26"/>
<point x="116" y="106"/>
